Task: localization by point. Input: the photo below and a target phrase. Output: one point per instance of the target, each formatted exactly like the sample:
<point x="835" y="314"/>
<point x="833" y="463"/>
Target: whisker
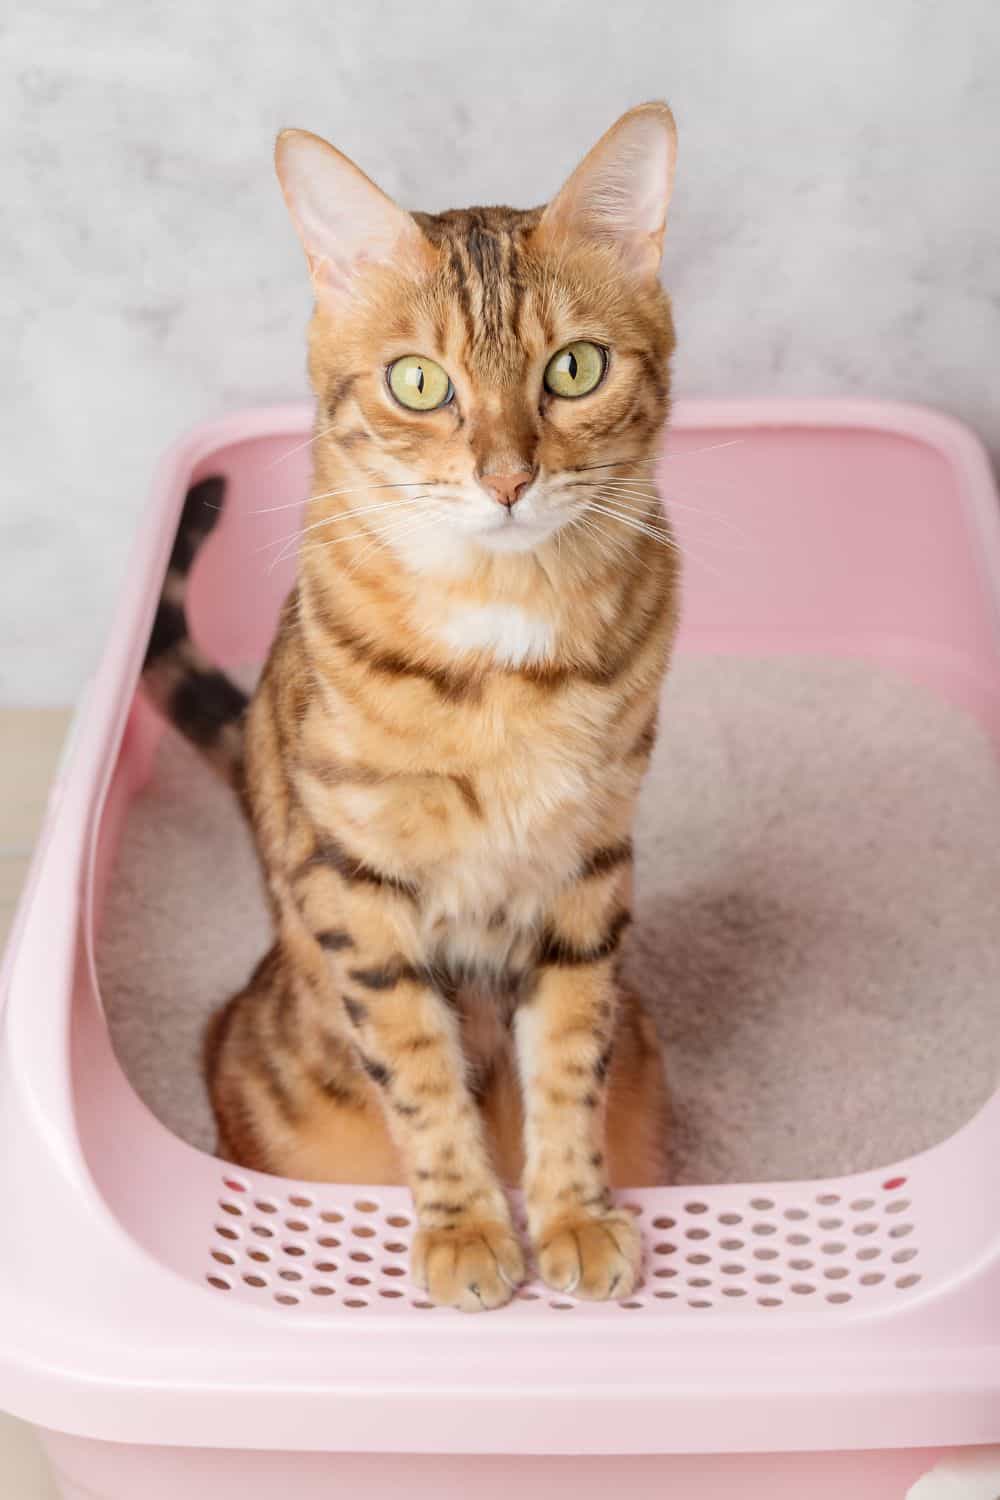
<point x="402" y="484"/>
<point x="343" y="515"/>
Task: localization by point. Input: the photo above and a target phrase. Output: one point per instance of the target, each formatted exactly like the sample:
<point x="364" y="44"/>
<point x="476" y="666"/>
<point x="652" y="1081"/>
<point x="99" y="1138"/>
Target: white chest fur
<point x="511" y="634"/>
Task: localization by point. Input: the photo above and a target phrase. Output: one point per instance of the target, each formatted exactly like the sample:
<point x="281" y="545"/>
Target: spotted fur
<point x="444" y="815"/>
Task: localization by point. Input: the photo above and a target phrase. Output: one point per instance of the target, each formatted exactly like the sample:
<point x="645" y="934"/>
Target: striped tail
<point x="186" y="688"/>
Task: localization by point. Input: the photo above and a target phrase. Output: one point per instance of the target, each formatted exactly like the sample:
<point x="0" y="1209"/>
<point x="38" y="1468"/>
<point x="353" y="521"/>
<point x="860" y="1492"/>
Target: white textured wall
<point x="835" y="231"/>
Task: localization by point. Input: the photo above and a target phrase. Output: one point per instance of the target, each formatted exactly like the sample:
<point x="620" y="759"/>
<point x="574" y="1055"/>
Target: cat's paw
<point x="591" y="1257"/>
<point x="475" y="1266"/>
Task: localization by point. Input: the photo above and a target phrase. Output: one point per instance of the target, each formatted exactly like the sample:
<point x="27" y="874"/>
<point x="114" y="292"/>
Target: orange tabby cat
<point x="441" y="760"/>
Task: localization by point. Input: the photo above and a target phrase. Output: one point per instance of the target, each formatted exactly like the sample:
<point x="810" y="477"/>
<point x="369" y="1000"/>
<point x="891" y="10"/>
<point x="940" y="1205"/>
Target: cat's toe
<point x="592" y="1257"/>
<point x="474" y="1266"/>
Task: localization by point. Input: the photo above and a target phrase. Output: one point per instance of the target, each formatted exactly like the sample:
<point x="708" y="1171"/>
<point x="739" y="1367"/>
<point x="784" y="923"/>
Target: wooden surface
<point x="30" y="742"/>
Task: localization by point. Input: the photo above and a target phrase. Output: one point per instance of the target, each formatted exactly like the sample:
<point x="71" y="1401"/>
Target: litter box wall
<point x="154" y="1299"/>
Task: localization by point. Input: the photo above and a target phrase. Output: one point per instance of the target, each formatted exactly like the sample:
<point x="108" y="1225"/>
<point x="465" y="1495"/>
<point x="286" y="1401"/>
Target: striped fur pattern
<point x="442" y="757"/>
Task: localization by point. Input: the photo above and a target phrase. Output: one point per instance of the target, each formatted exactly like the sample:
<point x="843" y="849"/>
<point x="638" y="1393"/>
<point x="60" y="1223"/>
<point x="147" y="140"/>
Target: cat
<point x="441" y="759"/>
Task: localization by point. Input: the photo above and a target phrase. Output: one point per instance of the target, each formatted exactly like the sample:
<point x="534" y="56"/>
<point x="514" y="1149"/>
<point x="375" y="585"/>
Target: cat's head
<point x="481" y="373"/>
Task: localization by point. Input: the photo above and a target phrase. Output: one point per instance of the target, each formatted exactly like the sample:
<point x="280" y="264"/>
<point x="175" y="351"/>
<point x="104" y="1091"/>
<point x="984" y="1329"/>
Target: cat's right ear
<point x="344" y="221"/>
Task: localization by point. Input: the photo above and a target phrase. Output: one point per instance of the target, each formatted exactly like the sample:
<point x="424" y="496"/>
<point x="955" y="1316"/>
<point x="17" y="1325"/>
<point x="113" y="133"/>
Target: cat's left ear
<point x="619" y="193"/>
<point x="344" y="221"/>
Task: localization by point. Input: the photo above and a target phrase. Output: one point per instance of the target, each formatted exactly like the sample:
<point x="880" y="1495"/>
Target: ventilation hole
<point x="331" y="1216"/>
<point x="362" y="1256"/>
<point x="873" y="1278"/>
<point x="765" y="1254"/>
<point x="833" y="1247"/>
<point x="391" y="1291"/>
<point x="286" y="1299"/>
<point x="223" y="1258"/>
<point x="798" y="1239"/>
<point x="665" y="1296"/>
<point x="523" y="1296"/>
<point x="696" y="1208"/>
<point x="866" y="1228"/>
<point x="262" y="1231"/>
<point x="234" y="1184"/>
<point x="901" y="1257"/>
<point x="796" y="1214"/>
<point x="733" y="1270"/>
<point x="293" y="1249"/>
<point x="395" y="1247"/>
<point x="900" y="1231"/>
<point x="360" y="1302"/>
<point x="699" y="1281"/>
<point x="734" y="1291"/>
<point x="862" y="1205"/>
<point x="561" y="1306"/>
<point x="697" y="1234"/>
<point x="399" y="1221"/>
<point x="664" y="1248"/>
<point x="319" y="1290"/>
<point x="423" y="1306"/>
<point x="894" y="1183"/>
<point x="911" y="1280"/>
<point x="801" y="1265"/>
<point x="698" y="1260"/>
<point x="327" y="1267"/>
<point x="768" y="1301"/>
<point x="730" y="1218"/>
<point x="665" y="1271"/>
<point x="297" y="1201"/>
<point x="838" y="1297"/>
<point x="230" y="1208"/>
<point x="732" y="1244"/>
<point x="219" y="1282"/>
<point x="762" y="1205"/>
<point x="763" y="1229"/>
<point x="660" y="1223"/>
<point x="363" y="1231"/>
<point x="393" y="1271"/>
<point x="366" y="1206"/>
<point x="635" y="1209"/>
<point x="629" y="1305"/>
<point x="227" y="1233"/>
<point x="255" y="1280"/>
<point x="767" y="1278"/>
<point x="359" y="1281"/>
<point x="289" y="1275"/>
<point x="261" y="1256"/>
<point x="264" y="1206"/>
<point x="832" y="1224"/>
<point x="802" y="1288"/>
<point x="898" y="1206"/>
<point x="328" y="1241"/>
<point x="835" y="1273"/>
<point x="297" y="1226"/>
<point x="869" y="1252"/>
<point x="828" y="1200"/>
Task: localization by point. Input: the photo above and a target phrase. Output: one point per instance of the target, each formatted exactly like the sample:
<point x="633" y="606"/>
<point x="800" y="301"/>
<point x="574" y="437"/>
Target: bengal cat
<point x="441" y="760"/>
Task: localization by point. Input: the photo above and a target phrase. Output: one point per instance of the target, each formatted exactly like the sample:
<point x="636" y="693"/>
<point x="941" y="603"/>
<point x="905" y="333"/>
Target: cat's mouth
<point x="511" y="531"/>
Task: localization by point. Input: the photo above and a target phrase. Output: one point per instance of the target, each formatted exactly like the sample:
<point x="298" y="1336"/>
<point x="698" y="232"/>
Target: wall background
<point x="836" y="227"/>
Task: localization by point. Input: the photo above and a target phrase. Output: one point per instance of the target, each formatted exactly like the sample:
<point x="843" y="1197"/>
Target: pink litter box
<point x="177" y="1327"/>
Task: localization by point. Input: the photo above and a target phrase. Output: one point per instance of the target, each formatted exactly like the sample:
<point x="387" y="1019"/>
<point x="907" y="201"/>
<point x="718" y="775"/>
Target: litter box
<point x="175" y="1326"/>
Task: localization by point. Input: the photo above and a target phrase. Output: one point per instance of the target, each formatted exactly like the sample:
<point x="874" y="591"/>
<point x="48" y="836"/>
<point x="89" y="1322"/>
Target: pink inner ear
<point x="344" y="221"/>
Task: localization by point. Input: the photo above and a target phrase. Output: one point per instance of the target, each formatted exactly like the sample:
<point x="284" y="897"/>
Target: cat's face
<point x="482" y="374"/>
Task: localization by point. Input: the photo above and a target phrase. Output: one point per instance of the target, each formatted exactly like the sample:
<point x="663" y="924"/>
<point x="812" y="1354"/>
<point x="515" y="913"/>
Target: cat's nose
<point x="507" y="489"/>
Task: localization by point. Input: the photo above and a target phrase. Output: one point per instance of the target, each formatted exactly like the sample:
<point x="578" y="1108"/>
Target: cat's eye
<point x="419" y="383"/>
<point x="576" y="370"/>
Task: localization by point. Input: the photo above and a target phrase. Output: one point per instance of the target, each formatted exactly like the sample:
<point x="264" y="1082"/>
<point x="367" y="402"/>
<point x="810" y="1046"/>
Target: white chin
<point x="513" y="536"/>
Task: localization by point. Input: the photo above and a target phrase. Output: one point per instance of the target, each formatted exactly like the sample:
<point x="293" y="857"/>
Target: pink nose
<point x="507" y="489"/>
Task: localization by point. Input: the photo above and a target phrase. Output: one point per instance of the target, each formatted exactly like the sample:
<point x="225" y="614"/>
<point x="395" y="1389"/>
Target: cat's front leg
<point x="565" y="1036"/>
<point x="466" y="1253"/>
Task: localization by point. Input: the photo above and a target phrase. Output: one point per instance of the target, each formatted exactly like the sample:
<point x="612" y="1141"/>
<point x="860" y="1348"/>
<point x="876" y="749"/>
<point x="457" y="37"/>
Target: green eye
<point x="576" y="370"/>
<point x="419" y="383"/>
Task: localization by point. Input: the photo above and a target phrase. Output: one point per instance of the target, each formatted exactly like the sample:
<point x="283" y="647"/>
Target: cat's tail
<point x="189" y="691"/>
